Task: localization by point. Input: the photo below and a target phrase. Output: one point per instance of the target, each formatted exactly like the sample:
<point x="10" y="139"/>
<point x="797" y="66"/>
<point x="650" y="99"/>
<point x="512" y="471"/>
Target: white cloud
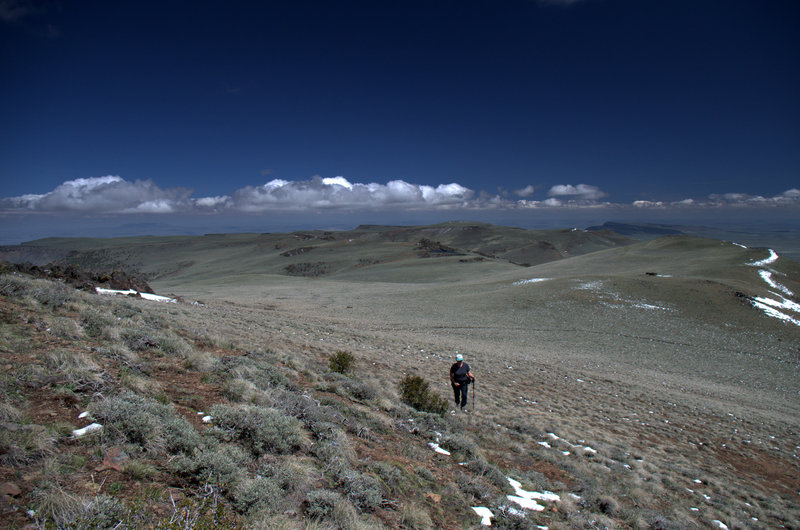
<point x="581" y="192"/>
<point x="338" y="192"/>
<point x="109" y="194"/>
<point x="113" y="195"/>
<point x="219" y="201"/>
<point x="527" y="191"/>
<point x="790" y="197"/>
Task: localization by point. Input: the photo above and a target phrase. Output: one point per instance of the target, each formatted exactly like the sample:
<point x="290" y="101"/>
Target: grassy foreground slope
<point x="639" y="384"/>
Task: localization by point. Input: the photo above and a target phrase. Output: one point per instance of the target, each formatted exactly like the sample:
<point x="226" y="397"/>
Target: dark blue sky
<point x="656" y="101"/>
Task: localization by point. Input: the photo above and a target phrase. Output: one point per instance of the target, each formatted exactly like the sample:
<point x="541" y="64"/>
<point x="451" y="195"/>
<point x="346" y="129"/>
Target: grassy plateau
<point x="300" y="380"/>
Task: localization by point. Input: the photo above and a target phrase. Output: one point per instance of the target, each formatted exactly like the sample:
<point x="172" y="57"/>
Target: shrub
<point x="463" y="444"/>
<point x="14" y="286"/>
<point x="102" y="511"/>
<point x="23" y="444"/>
<point x="223" y="465"/>
<point x="199" y="361"/>
<point x="144" y="338"/>
<point x="259" y="371"/>
<point x="154" y="426"/>
<point x="243" y="391"/>
<point x="259" y="429"/>
<point x="348" y="387"/>
<point x="363" y="490"/>
<point x="51" y="502"/>
<point x="76" y="369"/>
<point x="321" y="503"/>
<point x="257" y="494"/>
<point x="94" y="323"/>
<point x="415" y="516"/>
<point x="311" y="270"/>
<point x="52" y="294"/>
<point x="415" y="391"/>
<point x="290" y="476"/>
<point x="140" y="470"/>
<point x="341" y="362"/>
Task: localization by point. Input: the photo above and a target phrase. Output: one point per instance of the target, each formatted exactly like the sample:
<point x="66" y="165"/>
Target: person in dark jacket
<point x="460" y="378"/>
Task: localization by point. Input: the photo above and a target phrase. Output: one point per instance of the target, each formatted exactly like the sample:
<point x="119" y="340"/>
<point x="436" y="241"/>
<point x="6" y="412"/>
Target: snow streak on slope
<point x="131" y="292"/>
<point x="782" y="308"/>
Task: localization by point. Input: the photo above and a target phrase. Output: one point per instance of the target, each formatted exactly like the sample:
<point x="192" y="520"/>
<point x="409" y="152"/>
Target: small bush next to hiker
<point x="415" y="391"/>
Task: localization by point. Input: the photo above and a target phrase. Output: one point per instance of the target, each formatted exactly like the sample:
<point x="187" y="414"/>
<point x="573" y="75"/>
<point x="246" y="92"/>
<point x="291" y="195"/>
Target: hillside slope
<point x="649" y="385"/>
<point x="368" y="251"/>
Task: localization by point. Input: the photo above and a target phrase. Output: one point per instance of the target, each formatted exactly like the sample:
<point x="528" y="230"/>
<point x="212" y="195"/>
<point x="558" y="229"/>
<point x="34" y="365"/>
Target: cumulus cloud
<point x="114" y="195"/>
<point x="109" y="194"/>
<point x="339" y="193"/>
<point x="790" y="197"/>
<point x="581" y="192"/>
<point x="527" y="191"/>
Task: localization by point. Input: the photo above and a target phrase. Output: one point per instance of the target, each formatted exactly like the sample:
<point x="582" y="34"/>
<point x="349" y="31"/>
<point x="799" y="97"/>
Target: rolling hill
<point x="648" y="384"/>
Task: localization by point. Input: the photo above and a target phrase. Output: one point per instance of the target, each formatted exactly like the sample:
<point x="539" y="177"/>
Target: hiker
<point x="460" y="377"/>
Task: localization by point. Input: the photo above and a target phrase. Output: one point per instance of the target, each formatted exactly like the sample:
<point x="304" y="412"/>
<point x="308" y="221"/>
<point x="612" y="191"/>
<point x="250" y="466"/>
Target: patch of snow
<point x="773" y="257"/>
<point x="83" y="414"/>
<point x="720" y="524"/>
<point x="532" y="280"/>
<point x="438" y="449"/>
<point x="485" y="514"/>
<point x="767" y="277"/>
<point x="544" y="444"/>
<point x="513" y="511"/>
<point x="207" y="419"/>
<point x="146" y="296"/>
<point x="737" y="244"/>
<point x="642" y="305"/>
<point x="528" y="504"/>
<point x="777" y="308"/>
<point x="590" y="286"/>
<point x="589" y="450"/>
<point x="774" y="313"/>
<point x="527" y="499"/>
<point x="77" y="433"/>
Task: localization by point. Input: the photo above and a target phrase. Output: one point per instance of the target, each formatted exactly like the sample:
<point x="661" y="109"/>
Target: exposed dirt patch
<point x="507" y="460"/>
<point x="768" y="472"/>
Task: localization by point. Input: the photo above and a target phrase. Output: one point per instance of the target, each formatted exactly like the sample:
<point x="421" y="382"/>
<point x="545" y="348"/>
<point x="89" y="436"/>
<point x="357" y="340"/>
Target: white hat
<point x="459" y="357"/>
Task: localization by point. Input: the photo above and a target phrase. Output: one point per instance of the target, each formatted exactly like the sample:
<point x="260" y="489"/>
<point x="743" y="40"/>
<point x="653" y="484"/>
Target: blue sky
<point x="174" y="111"/>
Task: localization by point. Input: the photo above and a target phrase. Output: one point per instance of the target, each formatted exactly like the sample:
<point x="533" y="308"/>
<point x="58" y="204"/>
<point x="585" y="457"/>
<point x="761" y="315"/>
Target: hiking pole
<point x="473" y="395"/>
